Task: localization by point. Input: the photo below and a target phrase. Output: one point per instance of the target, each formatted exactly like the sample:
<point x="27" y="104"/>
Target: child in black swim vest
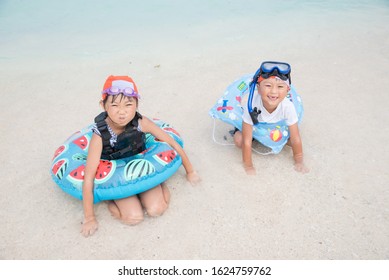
<point x="119" y="132"/>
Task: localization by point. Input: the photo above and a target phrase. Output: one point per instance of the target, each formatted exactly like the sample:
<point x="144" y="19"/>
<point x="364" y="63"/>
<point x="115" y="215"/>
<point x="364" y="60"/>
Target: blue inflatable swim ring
<point x="229" y="110"/>
<point x="120" y="178"/>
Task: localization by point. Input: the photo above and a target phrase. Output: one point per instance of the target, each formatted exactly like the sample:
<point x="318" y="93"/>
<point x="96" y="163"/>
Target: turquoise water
<point x="87" y="29"/>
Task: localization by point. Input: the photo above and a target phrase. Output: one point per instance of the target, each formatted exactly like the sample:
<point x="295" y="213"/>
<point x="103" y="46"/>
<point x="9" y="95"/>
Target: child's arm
<point x="150" y="127"/>
<point x="90" y="225"/>
<point x="247" y="135"/>
<point x="297" y="147"/>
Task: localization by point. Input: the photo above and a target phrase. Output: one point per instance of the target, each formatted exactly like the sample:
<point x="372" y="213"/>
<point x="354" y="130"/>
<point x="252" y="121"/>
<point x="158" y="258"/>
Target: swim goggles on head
<point x="130" y="92"/>
<point x="273" y="68"/>
<point x="267" y="70"/>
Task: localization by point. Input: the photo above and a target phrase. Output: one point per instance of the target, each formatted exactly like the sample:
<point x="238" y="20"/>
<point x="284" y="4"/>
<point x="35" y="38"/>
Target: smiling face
<point x="121" y="110"/>
<point x="272" y="90"/>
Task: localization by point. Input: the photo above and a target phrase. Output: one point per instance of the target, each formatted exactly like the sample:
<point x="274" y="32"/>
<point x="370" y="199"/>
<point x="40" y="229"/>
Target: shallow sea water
<point x="32" y="30"/>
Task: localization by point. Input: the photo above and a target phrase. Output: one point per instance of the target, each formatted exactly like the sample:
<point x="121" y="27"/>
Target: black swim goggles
<point x="274" y="68"/>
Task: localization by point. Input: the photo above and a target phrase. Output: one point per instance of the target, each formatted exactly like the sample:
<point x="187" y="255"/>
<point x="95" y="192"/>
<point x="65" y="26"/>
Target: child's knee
<point x="128" y="210"/>
<point x="238" y="139"/>
<point x="157" y="209"/>
<point x="132" y="218"/>
<point x="165" y="193"/>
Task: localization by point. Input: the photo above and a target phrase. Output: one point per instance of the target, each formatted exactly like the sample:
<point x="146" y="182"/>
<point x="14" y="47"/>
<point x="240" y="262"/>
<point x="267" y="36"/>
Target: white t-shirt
<point x="284" y="111"/>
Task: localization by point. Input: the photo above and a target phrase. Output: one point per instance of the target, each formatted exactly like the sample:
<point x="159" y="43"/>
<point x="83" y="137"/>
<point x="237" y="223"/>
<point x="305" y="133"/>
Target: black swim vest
<point x="130" y="142"/>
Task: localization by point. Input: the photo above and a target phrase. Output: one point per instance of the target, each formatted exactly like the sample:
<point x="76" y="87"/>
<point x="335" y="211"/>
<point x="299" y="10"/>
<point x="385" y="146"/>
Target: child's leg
<point x="166" y="193"/>
<point x="238" y="139"/>
<point x="128" y="209"/>
<point x="156" y="200"/>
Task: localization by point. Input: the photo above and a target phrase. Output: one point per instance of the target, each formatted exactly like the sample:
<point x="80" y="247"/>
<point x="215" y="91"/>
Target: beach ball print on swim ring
<point x="119" y="178"/>
<point x="276" y="134"/>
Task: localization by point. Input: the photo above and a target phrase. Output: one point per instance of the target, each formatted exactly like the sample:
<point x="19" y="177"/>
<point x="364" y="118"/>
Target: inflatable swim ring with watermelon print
<point x="120" y="178"/>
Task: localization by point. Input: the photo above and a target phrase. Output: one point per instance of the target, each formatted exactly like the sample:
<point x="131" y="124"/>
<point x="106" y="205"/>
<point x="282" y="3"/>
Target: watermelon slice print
<point x="165" y="157"/>
<point x="82" y="142"/>
<point x="79" y="157"/>
<point x="59" y="168"/>
<point x="105" y="171"/>
<point x="77" y="175"/>
<point x="59" y="151"/>
<point x="138" y="168"/>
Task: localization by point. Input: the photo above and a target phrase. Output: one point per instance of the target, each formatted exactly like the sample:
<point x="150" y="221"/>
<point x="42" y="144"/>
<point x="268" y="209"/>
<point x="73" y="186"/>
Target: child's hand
<point x="89" y="227"/>
<point x="300" y="167"/>
<point x="250" y="170"/>
<point x="193" y="178"/>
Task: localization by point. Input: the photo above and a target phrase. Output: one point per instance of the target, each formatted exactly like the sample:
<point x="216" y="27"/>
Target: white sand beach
<point x="54" y="61"/>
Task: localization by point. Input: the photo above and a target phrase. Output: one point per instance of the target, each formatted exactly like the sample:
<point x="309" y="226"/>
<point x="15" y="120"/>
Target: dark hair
<point x="114" y="97"/>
